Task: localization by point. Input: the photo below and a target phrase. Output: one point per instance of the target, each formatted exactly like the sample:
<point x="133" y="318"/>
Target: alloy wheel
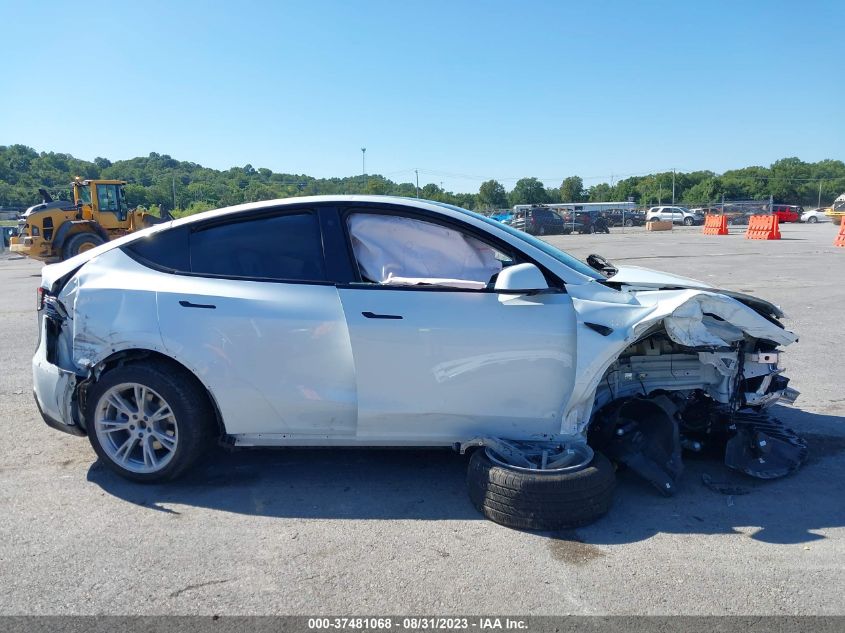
<point x="136" y="428"/>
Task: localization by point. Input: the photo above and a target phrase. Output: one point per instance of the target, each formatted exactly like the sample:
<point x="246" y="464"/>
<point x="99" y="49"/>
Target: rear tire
<point x="812" y="220"/>
<point x="160" y="447"/>
<point x="540" y="500"/>
<point x="688" y="221"/>
<point x="80" y="243"/>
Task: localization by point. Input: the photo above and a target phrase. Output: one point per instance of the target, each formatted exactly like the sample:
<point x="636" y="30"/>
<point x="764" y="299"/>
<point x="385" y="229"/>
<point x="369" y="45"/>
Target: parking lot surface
<point x="393" y="532"/>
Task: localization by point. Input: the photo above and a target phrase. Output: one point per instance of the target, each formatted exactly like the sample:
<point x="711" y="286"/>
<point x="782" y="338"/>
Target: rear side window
<point x="281" y="247"/>
<point x="166" y="249"/>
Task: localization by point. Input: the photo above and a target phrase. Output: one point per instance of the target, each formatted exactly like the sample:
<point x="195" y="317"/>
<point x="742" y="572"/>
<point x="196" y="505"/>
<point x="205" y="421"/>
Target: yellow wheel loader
<point x="837" y="211"/>
<point x="60" y="229"/>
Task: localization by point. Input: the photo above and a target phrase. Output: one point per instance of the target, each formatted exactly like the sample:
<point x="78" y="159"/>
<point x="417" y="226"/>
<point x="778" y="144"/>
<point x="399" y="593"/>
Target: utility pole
<point x="173" y="190"/>
<point x="364" y="166"/>
<point x="820" y="193"/>
<point x="417" y="172"/>
<point x="673" y="186"/>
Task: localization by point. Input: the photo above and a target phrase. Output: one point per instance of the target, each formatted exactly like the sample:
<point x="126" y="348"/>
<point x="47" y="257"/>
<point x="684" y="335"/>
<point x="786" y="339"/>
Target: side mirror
<point x="521" y="279"/>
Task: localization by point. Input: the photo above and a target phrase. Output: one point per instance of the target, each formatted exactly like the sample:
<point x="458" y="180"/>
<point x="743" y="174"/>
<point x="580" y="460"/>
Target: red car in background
<point x="787" y="212"/>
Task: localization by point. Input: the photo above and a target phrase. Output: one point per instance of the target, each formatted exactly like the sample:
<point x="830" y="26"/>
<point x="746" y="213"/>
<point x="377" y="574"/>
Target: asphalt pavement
<point x="393" y="532"/>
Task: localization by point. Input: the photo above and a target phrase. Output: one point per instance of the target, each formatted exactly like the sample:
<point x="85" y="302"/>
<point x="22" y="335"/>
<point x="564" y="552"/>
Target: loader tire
<point x="80" y="243"/>
<point x="540" y="500"/>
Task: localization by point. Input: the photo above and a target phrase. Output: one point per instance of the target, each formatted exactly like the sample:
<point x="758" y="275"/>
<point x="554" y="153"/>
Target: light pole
<point x="364" y="166"/>
<point x="673" y="186"/>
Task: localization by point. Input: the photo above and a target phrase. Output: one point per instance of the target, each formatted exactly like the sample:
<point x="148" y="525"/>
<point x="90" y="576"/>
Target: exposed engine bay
<point x="660" y="398"/>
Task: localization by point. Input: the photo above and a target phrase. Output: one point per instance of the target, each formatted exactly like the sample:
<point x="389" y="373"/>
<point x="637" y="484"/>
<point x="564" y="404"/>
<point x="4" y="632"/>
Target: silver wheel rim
<point x="136" y="428"/>
<point x="582" y="454"/>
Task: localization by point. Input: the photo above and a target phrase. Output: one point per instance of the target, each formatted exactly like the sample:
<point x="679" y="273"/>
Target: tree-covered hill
<point x="159" y="180"/>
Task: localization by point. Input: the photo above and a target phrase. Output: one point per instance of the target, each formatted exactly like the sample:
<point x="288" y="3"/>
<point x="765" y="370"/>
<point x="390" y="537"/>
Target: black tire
<point x="187" y="399"/>
<point x="688" y="221"/>
<point x="812" y="219"/>
<point x="629" y="222"/>
<point x="80" y="243"/>
<point x="540" y="501"/>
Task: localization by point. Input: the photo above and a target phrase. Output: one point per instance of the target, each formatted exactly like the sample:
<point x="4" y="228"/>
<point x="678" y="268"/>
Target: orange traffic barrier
<point x="715" y="225"/>
<point x="840" y="239"/>
<point x="763" y="227"/>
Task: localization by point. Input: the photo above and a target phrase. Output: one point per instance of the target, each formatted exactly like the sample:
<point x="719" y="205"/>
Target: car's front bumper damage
<point x="697" y="371"/>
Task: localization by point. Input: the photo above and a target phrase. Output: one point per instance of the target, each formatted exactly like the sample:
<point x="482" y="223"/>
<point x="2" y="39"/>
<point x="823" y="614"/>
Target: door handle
<point x="188" y="304"/>
<point x="373" y="315"/>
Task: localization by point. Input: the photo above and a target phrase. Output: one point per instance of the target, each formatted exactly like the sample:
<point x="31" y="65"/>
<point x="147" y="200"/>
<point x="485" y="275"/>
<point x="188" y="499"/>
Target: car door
<point x="437" y="364"/>
<point x="256" y="318"/>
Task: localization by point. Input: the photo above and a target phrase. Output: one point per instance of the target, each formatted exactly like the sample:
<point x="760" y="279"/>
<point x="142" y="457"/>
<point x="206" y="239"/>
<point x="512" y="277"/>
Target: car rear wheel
<point x="812" y="220"/>
<point x="540" y="499"/>
<point x="629" y="222"/>
<point x="80" y="243"/>
<point x="149" y="422"/>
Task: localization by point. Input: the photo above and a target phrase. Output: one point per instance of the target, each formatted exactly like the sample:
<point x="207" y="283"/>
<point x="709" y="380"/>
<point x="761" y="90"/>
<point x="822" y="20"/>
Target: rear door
<point x="258" y="321"/>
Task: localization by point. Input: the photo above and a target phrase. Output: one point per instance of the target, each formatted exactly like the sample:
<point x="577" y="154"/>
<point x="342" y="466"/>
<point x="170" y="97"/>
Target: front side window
<point x="402" y="251"/>
<point x="107" y="198"/>
<point x="83" y="194"/>
<point x="283" y="247"/>
<point x="564" y="258"/>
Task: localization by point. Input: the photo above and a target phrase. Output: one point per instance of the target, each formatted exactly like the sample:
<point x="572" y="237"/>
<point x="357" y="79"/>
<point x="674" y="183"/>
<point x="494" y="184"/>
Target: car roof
<point x="428" y="205"/>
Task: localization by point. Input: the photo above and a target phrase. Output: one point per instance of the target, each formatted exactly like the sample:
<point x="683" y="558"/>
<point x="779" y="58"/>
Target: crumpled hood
<point x="654" y="279"/>
<point x="638" y="276"/>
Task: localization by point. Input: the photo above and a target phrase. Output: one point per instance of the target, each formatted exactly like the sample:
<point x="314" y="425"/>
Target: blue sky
<point x="462" y="91"/>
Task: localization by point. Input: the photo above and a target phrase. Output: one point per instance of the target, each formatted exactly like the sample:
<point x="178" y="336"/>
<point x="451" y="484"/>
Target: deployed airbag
<point x="405" y="251"/>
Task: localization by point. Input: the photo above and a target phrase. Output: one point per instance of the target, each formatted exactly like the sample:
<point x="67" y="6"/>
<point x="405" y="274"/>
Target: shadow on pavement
<point x="314" y="483"/>
<point x="430" y="485"/>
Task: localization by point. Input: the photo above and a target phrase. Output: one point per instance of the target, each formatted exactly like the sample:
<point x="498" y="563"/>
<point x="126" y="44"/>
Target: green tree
<point x="572" y="189"/>
<point x="528" y="191"/>
<point x="492" y="195"/>
<point x="601" y="192"/>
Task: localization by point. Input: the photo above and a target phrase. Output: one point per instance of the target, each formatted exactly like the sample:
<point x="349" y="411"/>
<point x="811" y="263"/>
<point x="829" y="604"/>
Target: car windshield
<point x="564" y="258"/>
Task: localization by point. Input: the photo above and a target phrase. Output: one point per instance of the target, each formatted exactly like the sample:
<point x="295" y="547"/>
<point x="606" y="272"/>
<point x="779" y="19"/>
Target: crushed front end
<point x="701" y="375"/>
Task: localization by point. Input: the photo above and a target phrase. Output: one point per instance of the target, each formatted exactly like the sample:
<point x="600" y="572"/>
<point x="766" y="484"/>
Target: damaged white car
<point x="378" y="321"/>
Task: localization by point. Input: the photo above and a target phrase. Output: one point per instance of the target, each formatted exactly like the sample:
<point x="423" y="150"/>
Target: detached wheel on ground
<point x="80" y="243"/>
<point x="149" y="422"/>
<point x="540" y="500"/>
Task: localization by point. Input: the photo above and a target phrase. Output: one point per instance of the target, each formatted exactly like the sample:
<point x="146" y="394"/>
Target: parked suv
<point x="538" y="221"/>
<point x="676" y="215"/>
<point x="585" y="222"/>
<point x="623" y="217"/>
<point x="787" y="212"/>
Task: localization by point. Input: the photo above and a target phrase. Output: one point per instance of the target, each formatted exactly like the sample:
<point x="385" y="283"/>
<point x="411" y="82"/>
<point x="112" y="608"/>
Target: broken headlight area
<point x="660" y="399"/>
